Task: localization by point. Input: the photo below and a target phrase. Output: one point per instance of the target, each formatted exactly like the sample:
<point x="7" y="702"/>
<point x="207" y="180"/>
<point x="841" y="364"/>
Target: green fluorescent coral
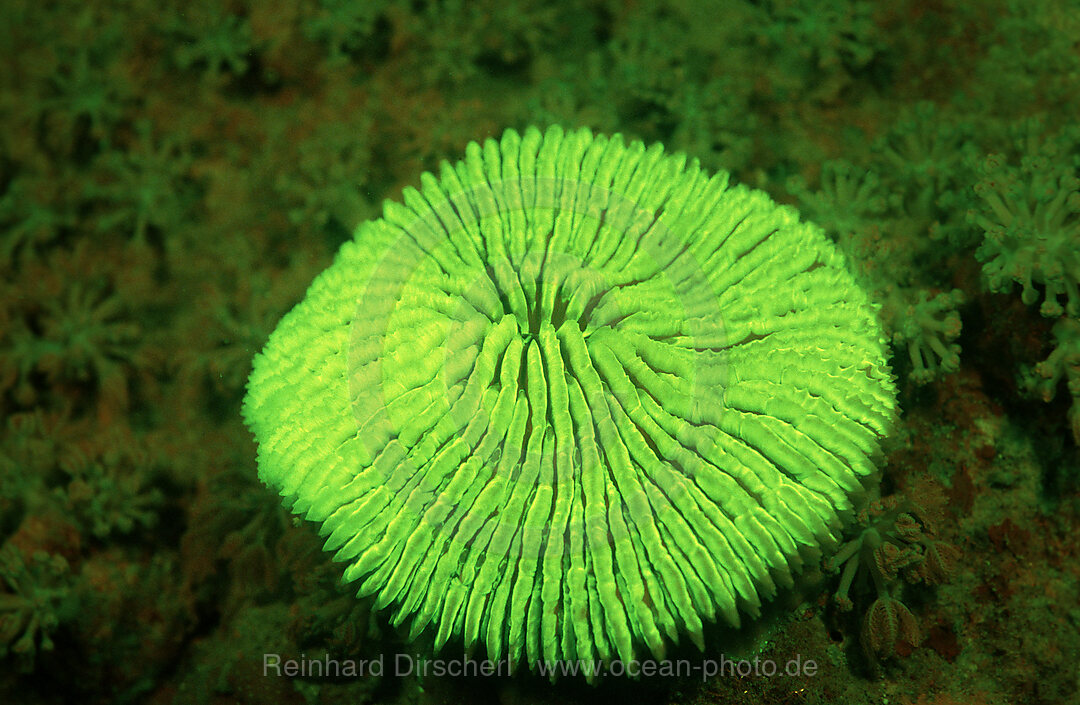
<point x="574" y="395"/>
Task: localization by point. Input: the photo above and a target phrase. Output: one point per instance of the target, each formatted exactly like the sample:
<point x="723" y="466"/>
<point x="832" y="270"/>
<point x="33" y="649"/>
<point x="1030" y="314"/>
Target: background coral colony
<point x="690" y="331"/>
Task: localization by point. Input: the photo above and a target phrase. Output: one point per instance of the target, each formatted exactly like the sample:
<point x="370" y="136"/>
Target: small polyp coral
<point x="234" y="529"/>
<point x="847" y="199"/>
<point x="923" y="152"/>
<point x="1063" y="363"/>
<point x="820" y="42"/>
<point x="33" y="210"/>
<point x="108" y="489"/>
<point x="870" y="220"/>
<point x="343" y="27"/>
<point x="926" y="328"/>
<point x="325" y="184"/>
<point x="146" y="187"/>
<point x="888" y="622"/>
<point x="1032" y="227"/>
<point x="211" y="39"/>
<point x="84" y="95"/>
<point x="85" y="335"/>
<point x="35" y="598"/>
<point x="68" y="328"/>
<point x="895" y="542"/>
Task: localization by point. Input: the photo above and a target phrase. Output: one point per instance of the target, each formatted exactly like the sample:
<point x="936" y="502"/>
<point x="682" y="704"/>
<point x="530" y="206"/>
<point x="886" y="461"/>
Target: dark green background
<point x="173" y="175"/>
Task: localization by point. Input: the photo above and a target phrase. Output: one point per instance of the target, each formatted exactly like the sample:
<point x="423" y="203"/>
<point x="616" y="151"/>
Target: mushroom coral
<point x="572" y="396"/>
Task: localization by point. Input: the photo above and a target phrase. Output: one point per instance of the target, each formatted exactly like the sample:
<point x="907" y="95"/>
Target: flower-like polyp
<point x="1032" y="229"/>
<point x="574" y="396"/>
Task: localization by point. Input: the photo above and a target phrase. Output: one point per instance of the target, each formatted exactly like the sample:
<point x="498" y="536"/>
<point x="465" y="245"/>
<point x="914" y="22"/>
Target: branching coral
<point x="33" y="440"/>
<point x="69" y="340"/>
<point x="240" y="312"/>
<point x="1031" y="220"/>
<point x="102" y="484"/>
<point x="559" y="97"/>
<point x="869" y="219"/>
<point x="657" y="71"/>
<point x="18" y="361"/>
